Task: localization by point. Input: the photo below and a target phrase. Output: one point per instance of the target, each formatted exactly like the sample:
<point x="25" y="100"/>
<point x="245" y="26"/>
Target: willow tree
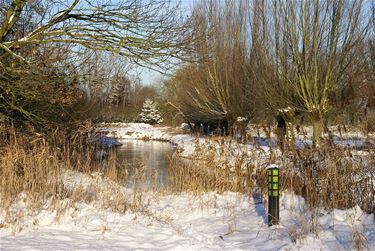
<point x="151" y="33"/>
<point x="315" y="42"/>
<point x="216" y="85"/>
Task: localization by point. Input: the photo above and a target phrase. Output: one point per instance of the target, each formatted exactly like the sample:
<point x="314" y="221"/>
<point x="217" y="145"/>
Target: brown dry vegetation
<point x="329" y="178"/>
<point x="332" y="177"/>
<point x="57" y="171"/>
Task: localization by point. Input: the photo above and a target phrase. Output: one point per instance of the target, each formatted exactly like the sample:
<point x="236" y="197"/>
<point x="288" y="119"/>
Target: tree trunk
<point x="230" y="120"/>
<point x="317" y="129"/>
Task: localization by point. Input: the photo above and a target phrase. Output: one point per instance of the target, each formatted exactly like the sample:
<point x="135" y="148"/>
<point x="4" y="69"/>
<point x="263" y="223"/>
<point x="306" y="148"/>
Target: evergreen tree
<point x="150" y="114"/>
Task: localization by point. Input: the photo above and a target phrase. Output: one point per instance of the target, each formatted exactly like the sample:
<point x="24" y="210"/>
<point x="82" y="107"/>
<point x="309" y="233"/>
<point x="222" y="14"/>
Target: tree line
<point x="256" y="58"/>
<point x="61" y="59"/>
<point x="249" y="59"/>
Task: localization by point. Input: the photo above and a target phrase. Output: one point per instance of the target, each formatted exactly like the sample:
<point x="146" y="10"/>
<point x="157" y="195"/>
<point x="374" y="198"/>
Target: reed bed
<point x="218" y="166"/>
<point x="329" y="177"/>
<point x="59" y="170"/>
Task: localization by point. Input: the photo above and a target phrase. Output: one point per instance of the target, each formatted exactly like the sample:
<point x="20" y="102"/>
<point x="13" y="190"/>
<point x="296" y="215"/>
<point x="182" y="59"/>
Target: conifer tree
<point x="150" y="114"/>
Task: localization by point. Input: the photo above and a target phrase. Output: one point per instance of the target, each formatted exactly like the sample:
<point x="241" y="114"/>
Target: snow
<point x="187" y="143"/>
<point x="241" y="119"/>
<point x="140" y="131"/>
<point x="211" y="221"/>
<point x="149" y="113"/>
<point x="162" y="221"/>
<point x="107" y="142"/>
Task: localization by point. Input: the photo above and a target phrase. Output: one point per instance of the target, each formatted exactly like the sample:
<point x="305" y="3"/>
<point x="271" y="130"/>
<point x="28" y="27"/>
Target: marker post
<point x="273" y="195"/>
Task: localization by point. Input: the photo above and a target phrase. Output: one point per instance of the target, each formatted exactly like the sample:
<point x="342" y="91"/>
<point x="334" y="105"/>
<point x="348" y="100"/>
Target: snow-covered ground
<point x="210" y="221"/>
<point x="182" y="222"/>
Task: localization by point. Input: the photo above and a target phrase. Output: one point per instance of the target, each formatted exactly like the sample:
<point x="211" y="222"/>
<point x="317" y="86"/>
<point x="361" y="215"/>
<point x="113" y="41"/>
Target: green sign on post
<point x="273" y="195"/>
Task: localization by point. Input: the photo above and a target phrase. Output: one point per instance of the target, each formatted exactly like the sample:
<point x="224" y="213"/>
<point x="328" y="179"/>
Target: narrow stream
<point x="153" y="154"/>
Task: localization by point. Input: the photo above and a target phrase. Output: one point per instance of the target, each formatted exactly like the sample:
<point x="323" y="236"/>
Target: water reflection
<point x="153" y="154"/>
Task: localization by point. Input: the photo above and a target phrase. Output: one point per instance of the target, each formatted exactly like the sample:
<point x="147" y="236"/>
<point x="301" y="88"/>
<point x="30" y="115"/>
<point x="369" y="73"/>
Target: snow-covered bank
<point x="185" y="143"/>
<point x="212" y="221"/>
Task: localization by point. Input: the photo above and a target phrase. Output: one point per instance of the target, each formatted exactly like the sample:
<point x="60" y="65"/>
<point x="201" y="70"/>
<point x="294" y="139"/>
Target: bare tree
<point x="315" y="43"/>
<point x="217" y="85"/>
<point x="145" y="32"/>
<point x="291" y="54"/>
<point x="119" y="95"/>
<point x="150" y="33"/>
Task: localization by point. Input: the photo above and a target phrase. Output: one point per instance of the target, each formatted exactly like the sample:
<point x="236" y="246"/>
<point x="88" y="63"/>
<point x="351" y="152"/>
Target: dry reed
<point x="47" y="171"/>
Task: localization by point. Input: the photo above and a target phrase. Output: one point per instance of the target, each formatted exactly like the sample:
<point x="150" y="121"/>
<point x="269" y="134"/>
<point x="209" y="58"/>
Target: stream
<point x="152" y="155"/>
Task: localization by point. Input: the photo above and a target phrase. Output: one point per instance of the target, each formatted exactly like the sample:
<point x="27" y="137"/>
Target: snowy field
<point x="182" y="222"/>
<point x="211" y="221"/>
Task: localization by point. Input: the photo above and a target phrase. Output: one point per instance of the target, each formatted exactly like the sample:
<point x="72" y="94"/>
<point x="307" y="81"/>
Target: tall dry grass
<point x="218" y="166"/>
<point x="329" y="177"/>
<point x="47" y="171"/>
